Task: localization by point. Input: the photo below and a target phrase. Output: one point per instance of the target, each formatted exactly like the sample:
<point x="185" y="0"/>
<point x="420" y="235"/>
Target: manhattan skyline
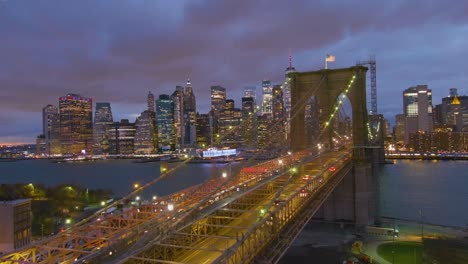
<point x="118" y="51"/>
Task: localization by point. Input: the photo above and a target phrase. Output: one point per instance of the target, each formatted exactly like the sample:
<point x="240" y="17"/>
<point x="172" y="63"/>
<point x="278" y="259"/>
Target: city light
<point x="170" y="207"/>
<point x="137" y="198"/>
<point x="155" y="197"/>
<point x="68" y="221"/>
<point x="280" y="162"/>
<point x="224" y="174"/>
<point x="136" y="185"/>
<point x="103" y="203"/>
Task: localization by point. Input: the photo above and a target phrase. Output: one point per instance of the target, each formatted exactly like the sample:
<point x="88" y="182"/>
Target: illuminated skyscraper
<point x="102" y="120"/>
<point x="251" y="92"/>
<point x="267" y="96"/>
<point x="165" y="123"/>
<point x="218" y="101"/>
<point x="278" y="130"/>
<point x="249" y="122"/>
<point x="179" y="124"/>
<point x="76" y="129"/>
<point x="229" y="122"/>
<point x="150" y="101"/>
<point x="190" y="117"/>
<point x="287" y="96"/>
<point x="145" y="134"/>
<point x="51" y="129"/>
<point x="122" y="138"/>
<point x="417" y="107"/>
<point x="203" y="130"/>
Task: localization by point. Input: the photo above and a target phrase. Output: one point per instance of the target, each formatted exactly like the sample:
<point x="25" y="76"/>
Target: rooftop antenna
<point x="290" y="58"/>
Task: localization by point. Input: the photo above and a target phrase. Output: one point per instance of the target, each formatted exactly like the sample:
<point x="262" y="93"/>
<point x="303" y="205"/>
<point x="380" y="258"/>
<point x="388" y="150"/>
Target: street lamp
<point x="137" y="198"/>
<point x="136" y="185"/>
<point x="280" y="162"/>
<point x="224" y="174"/>
<point x="170" y="207"/>
<point x="155" y="197"/>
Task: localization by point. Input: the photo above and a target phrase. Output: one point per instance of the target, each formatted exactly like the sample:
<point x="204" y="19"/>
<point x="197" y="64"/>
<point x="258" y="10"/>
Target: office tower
<point x="287" y="96"/>
<point x="399" y="131"/>
<point x="145" y="134"/>
<point x="190" y="117"/>
<point x="229" y="122"/>
<point x="263" y="133"/>
<point x="51" y="129"/>
<point x="249" y="122"/>
<point x="150" y="101"/>
<point x="16" y="224"/>
<point x="41" y="146"/>
<point x="76" y="119"/>
<point x="312" y="122"/>
<point x="278" y="130"/>
<point x="454" y="111"/>
<point x="267" y="97"/>
<point x="203" y="130"/>
<point x="417" y="107"/>
<point x="251" y="92"/>
<point x="179" y="123"/>
<point x="102" y="120"/>
<point x="165" y="123"/>
<point x="218" y="101"/>
<point x="122" y="138"/>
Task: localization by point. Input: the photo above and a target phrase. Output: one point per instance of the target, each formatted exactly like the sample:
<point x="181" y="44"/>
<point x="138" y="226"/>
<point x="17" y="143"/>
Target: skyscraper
<point x="76" y="117"/>
<point x="417" y="107"/>
<point x="267" y="96"/>
<point x="145" y="134"/>
<point x="122" y="138"/>
<point x="249" y="122"/>
<point x="203" y="130"/>
<point x="278" y="130"/>
<point x="102" y="120"/>
<point x="218" y="101"/>
<point x="150" y="101"/>
<point x="251" y="92"/>
<point x="190" y="117"/>
<point x="51" y="129"/>
<point x="179" y="123"/>
<point x="287" y="96"/>
<point x="454" y="111"/>
<point x="165" y="123"/>
<point x="229" y="122"/>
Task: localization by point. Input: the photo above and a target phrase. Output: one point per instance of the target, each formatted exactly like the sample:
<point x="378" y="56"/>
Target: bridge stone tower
<point x="354" y="200"/>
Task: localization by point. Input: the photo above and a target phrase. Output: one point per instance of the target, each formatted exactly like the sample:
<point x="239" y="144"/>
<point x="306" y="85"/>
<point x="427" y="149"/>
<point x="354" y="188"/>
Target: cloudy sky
<point x="117" y="51"/>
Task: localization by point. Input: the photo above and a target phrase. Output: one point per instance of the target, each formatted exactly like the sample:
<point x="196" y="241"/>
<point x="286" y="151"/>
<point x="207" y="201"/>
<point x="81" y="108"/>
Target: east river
<point x="437" y="189"/>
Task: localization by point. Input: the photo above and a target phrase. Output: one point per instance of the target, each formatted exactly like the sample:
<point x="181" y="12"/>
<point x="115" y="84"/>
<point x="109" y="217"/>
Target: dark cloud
<point x="117" y="51"/>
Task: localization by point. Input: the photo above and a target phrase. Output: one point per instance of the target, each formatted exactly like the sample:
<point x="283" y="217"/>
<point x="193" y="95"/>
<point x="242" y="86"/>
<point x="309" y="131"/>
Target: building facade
<point x="165" y="123"/>
<point x="51" y="129"/>
<point x="249" y="122"/>
<point x="229" y="126"/>
<point x="267" y="97"/>
<point x="179" y="123"/>
<point x="150" y="102"/>
<point x="417" y="107"/>
<point x="218" y="102"/>
<point x="204" y="130"/>
<point x="190" y="117"/>
<point x="76" y="127"/>
<point x="145" y="133"/>
<point x="102" y="120"/>
<point x="15" y="224"/>
<point x="122" y="138"/>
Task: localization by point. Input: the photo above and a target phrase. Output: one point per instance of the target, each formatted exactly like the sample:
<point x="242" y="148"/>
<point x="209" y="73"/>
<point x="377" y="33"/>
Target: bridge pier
<point x="353" y="198"/>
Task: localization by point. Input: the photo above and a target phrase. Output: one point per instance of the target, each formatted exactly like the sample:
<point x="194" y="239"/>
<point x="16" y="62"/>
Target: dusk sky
<point x="116" y="51"/>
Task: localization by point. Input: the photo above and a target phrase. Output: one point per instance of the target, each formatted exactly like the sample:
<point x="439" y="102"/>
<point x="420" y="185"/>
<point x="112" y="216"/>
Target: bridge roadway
<point x="239" y="229"/>
<point x="93" y="236"/>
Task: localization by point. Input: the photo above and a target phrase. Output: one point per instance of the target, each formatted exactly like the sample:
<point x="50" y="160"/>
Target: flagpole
<point x="326" y="64"/>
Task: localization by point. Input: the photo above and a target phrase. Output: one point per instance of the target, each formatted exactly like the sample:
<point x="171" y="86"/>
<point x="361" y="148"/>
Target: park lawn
<point x="405" y="252"/>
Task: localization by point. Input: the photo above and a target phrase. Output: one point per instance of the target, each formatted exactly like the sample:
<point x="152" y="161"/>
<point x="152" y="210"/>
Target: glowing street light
<point x="224" y="174"/>
<point x="170" y="207"/>
<point x="280" y="162"/>
<point x="136" y="185"/>
<point x="68" y="221"/>
<point x="155" y="197"/>
<point x="137" y="198"/>
<point x="103" y="203"/>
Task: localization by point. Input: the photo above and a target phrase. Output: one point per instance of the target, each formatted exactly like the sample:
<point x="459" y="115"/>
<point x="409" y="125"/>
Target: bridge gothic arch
<point x="325" y="86"/>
